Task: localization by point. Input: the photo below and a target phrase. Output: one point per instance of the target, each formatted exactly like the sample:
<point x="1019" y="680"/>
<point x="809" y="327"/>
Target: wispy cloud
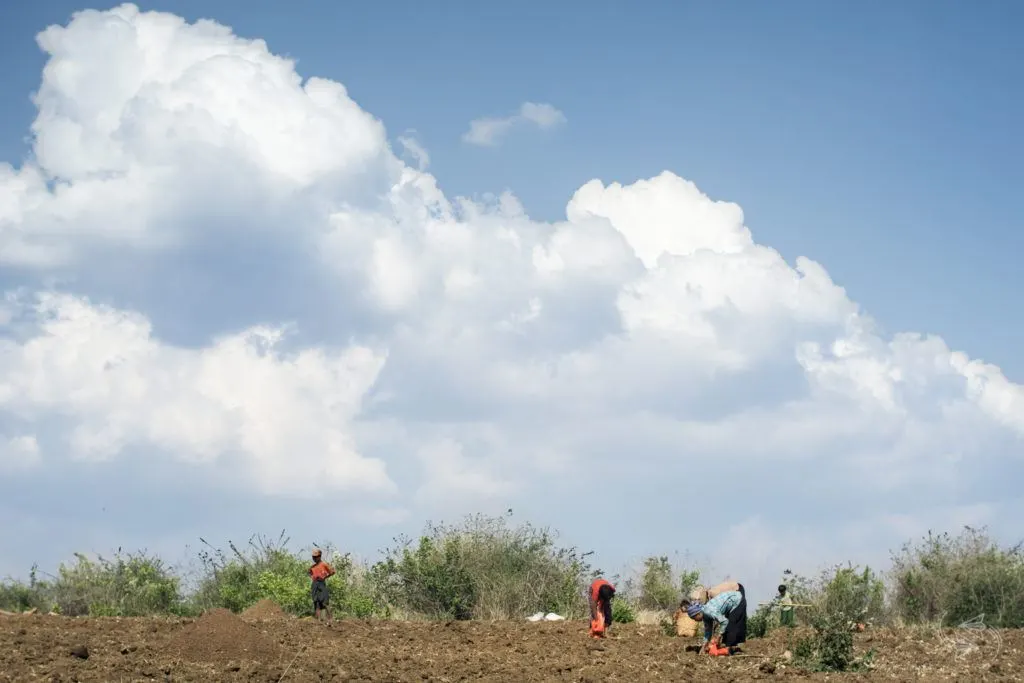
<point x="488" y="132"/>
<point x="414" y="149"/>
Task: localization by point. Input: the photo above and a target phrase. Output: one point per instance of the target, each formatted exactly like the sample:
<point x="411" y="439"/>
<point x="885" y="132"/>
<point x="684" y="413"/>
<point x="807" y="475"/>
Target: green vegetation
<point x="949" y="580"/>
<point x="267" y="570"/>
<point x="489" y="568"/>
<point x="483" y="569"/>
<point x="841" y="597"/>
<point x="661" y="585"/>
<point x="622" y="611"/>
<point x="761" y="621"/>
<point x="129" y="585"/>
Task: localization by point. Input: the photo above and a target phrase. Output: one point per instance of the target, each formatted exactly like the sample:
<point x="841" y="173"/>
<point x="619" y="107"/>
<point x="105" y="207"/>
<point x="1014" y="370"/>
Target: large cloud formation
<point x="215" y="264"/>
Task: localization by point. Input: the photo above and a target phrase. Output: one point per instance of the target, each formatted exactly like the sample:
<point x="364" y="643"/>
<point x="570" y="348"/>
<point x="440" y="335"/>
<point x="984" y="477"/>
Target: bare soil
<point x="264" y="610"/>
<point x="221" y="646"/>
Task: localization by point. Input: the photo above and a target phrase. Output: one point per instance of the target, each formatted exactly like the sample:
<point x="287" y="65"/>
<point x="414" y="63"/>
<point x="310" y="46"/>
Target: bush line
<point x="485" y="568"/>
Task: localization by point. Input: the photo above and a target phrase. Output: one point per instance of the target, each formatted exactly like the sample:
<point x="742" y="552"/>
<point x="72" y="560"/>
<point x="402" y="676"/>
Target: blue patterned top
<point x="717" y="609"/>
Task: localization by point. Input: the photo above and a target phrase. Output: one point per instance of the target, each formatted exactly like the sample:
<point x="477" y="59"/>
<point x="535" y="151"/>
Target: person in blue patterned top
<point x="726" y="612"/>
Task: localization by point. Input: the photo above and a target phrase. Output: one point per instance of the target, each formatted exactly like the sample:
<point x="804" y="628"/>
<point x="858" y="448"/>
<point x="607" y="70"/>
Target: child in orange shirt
<point x="320" y="572"/>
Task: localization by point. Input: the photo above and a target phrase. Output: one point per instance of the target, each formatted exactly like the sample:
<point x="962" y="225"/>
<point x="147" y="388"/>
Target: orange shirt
<point x="320" y="571"/>
<point x="596" y="587"/>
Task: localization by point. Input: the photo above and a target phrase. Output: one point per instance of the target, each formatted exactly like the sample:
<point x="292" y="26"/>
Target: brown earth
<point x="220" y="636"/>
<point x="222" y="647"/>
<point x="264" y="610"/>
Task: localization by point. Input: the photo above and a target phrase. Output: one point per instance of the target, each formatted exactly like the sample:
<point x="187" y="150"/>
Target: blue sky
<point x="881" y="141"/>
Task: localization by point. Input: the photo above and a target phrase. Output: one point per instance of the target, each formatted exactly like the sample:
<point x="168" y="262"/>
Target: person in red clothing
<point x="319" y="573"/>
<point x="601" y="593"/>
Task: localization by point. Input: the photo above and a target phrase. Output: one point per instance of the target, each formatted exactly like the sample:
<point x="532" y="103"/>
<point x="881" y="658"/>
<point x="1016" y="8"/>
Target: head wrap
<point x="693" y="609"/>
<point x="316" y="552"/>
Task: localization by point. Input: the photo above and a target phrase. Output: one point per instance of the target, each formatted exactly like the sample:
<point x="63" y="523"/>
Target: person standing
<point x="319" y="573"/>
<point x="787" y="615"/>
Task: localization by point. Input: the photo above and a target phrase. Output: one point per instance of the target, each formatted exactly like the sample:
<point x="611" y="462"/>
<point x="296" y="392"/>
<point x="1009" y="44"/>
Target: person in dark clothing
<point x="319" y="573"/>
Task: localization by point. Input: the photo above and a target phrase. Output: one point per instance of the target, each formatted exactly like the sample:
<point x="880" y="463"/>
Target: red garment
<point x="597" y="624"/>
<point x="321" y="571"/>
<point x="596" y="587"/>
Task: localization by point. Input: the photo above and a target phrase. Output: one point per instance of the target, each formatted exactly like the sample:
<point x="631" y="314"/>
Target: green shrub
<point x="804" y="651"/>
<point x="483" y="569"/>
<point x="126" y="586"/>
<point x="622" y="611"/>
<point x="431" y="578"/>
<point x="857" y="595"/>
<point x="833" y="641"/>
<point x="951" y="580"/>
<point x="760" y="622"/>
<point x="267" y="570"/>
<point x="660" y="586"/>
<point x="18" y="596"/>
<point x="841" y="597"/>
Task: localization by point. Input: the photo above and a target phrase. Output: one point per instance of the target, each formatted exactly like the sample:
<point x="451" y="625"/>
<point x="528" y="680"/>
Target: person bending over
<point x="600" y="595"/>
<point x="726" y="613"/>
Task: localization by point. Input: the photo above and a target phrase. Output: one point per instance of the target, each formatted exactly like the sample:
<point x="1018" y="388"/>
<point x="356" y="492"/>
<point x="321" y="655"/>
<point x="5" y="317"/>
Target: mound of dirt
<point x="220" y="637"/>
<point x="264" y="610"/>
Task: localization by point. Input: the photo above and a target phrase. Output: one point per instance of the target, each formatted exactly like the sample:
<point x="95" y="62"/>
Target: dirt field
<point x="266" y="646"/>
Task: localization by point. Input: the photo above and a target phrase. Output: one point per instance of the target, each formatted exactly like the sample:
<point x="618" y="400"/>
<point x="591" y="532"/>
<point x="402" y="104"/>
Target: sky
<point x="670" y="278"/>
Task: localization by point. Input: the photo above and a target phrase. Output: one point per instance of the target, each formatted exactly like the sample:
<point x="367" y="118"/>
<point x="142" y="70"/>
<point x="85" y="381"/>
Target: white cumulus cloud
<point x="279" y="418"/>
<point x="488" y="132"/>
<point x="246" y="283"/>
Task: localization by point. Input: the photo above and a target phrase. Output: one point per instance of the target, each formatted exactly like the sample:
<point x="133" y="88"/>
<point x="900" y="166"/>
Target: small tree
<point x="661" y="586"/>
<point x="856" y="594"/>
<point x="841" y="597"/>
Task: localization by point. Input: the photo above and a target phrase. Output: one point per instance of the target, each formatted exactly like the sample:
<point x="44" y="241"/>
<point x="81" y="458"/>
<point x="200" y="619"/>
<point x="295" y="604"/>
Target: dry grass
<point x="650" y="617"/>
